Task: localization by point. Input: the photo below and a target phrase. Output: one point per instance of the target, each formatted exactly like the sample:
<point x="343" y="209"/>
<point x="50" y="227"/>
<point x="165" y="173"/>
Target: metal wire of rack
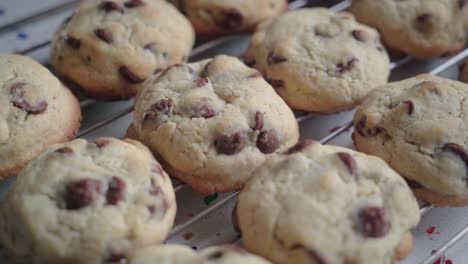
<point x="68" y="5"/>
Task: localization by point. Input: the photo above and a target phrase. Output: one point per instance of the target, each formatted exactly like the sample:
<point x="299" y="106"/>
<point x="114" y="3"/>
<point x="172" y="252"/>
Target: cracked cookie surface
<point x="418" y="126"/>
<point x="36" y="111"/>
<point x="213" y="122"/>
<point x="83" y="202"/>
<point x="421" y="28"/>
<point x="213" y="17"/>
<point x="174" y="254"/>
<point x="109" y="47"/>
<point x="319" y="61"/>
<point x="326" y="204"/>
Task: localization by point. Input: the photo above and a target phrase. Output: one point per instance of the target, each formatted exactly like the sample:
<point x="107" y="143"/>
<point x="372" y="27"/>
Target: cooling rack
<point x="26" y="27"/>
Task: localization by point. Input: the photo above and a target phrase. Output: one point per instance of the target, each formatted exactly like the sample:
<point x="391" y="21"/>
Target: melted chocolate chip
<point x="17" y="91"/>
<point x="258" y="121"/>
<point x="215" y="255"/>
<point x="359" y="35"/>
<point x="109" y="6"/>
<point x="367" y="132"/>
<point x="372" y="222"/>
<point x="115" y="191"/>
<point x="349" y="161"/>
<point x="202" y="82"/>
<point x="65" y="150"/>
<point x="230" y="144"/>
<point x="410" y="106"/>
<point x="457" y="150"/>
<point x="276" y="83"/>
<point x="81" y="193"/>
<point x="134" y="3"/>
<point x="272" y="59"/>
<point x="313" y="254"/>
<point x="425" y="23"/>
<point x="164" y="107"/>
<point x="205" y="111"/>
<point x="230" y="19"/>
<point x="129" y="76"/>
<point x="73" y="42"/>
<point x="345" y="67"/>
<point x="255" y="75"/>
<point x="104" y="35"/>
<point x="300" y="146"/>
<point x="268" y="141"/>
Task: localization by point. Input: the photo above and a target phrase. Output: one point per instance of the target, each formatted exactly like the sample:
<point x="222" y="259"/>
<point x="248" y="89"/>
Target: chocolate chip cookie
<point x="36" y="111"/>
<point x="319" y="61"/>
<point x="109" y="47"/>
<point x="84" y="202"/>
<point x="326" y="204"/>
<point x="420" y="28"/>
<point x="213" y="17"/>
<point x="172" y="254"/>
<point x="212" y="122"/>
<point x="419" y="127"/>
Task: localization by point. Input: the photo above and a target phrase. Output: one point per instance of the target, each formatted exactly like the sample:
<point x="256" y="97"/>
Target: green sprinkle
<point x="210" y="198"/>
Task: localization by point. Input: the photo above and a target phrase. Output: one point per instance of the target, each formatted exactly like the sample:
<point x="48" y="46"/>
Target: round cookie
<point x="213" y="122"/>
<point x="109" y="47"/>
<point x="327" y="204"/>
<point x="213" y="17"/>
<point x="420" y="28"/>
<point x="174" y="254"/>
<point x="419" y="126"/>
<point x="463" y="71"/>
<point x="319" y="61"/>
<point x="36" y="111"/>
<point x="87" y="203"/>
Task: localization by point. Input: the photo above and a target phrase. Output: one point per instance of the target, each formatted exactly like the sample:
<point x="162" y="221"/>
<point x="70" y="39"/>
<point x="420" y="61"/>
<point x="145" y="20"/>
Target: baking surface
<point x="26" y="26"/>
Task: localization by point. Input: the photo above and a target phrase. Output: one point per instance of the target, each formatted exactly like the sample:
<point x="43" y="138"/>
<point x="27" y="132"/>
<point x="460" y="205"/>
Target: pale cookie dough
<point x="87" y="203"/>
<point x="319" y="61"/>
<point x="419" y="126"/>
<point x="109" y="47"/>
<point x="325" y="204"/>
<point x="421" y="28"/>
<point x="36" y="111"/>
<point x="213" y="122"/>
<point x="173" y="254"/>
<point x="213" y="17"/>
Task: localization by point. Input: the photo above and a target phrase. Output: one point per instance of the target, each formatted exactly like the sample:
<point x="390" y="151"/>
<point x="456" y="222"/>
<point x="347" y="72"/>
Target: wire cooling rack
<point x="27" y="26"/>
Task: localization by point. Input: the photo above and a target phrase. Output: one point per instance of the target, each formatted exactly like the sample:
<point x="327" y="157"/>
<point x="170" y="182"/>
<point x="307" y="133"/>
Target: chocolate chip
<point x="313" y="254"/>
<point x="276" y="83"/>
<point x="268" y="141"/>
<point x="359" y="35"/>
<point x="255" y="75"/>
<point x="164" y="106"/>
<point x="425" y="23"/>
<point x="410" y="106"/>
<point x="109" y="6"/>
<point x="65" y="150"/>
<point x="230" y="144"/>
<point x="215" y="255"/>
<point x="349" y="161"/>
<point x="202" y="82"/>
<point x="272" y="59"/>
<point x="104" y="35"/>
<point x="134" y="3"/>
<point x="367" y="132"/>
<point x="258" y="121"/>
<point x="115" y="191"/>
<point x="459" y="151"/>
<point x="129" y="76"/>
<point x="372" y="222"/>
<point x="17" y="91"/>
<point x="205" y="111"/>
<point x="301" y="145"/>
<point x="230" y="19"/>
<point x="149" y="46"/>
<point x="81" y="193"/>
<point x="73" y="42"/>
<point x="349" y="65"/>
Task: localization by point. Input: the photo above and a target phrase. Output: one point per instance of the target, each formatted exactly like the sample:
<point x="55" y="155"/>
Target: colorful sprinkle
<point x="431" y="230"/>
<point x="210" y="198"/>
<point x="22" y="35"/>
<point x="188" y="236"/>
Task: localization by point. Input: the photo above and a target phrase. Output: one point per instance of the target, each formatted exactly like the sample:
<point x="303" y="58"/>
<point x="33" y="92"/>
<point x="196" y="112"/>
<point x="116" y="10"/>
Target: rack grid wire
<point x="101" y="117"/>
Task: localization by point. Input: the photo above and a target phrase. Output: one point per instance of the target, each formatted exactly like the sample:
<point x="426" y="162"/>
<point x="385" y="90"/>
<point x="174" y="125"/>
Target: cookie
<point x="212" y="18"/>
<point x="420" y="28"/>
<point x="327" y="204"/>
<point x="109" y="47"/>
<point x="87" y="203"/>
<point x="212" y="122"/>
<point x="319" y="61"/>
<point x="173" y="254"/>
<point x="419" y="126"/>
<point x="463" y="72"/>
<point x="36" y="111"/>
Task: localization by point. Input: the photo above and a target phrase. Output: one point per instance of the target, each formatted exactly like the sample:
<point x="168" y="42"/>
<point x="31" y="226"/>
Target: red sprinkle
<point x="431" y="230"/>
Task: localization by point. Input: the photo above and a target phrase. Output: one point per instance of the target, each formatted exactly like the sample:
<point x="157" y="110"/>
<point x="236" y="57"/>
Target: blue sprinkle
<point x="2" y="11"/>
<point x="22" y="35"/>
